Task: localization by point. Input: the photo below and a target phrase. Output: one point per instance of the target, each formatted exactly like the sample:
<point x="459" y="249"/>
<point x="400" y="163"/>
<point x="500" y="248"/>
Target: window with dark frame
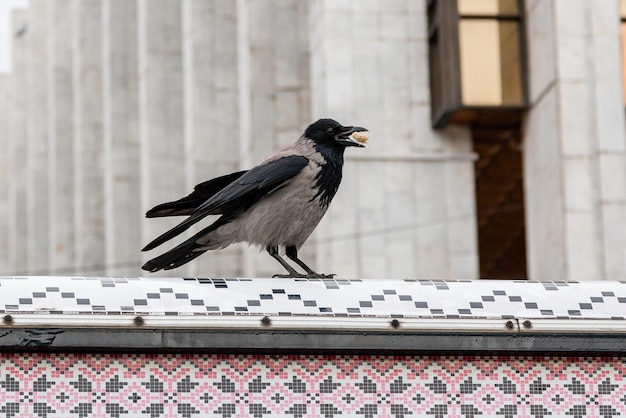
<point x="477" y="61"/>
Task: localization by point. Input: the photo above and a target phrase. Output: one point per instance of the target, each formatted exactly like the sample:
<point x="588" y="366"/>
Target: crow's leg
<point x="273" y="251"/>
<point x="292" y="252"/>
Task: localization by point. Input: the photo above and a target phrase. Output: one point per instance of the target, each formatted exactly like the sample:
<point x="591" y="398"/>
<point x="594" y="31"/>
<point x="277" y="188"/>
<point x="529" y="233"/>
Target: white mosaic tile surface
<point x="329" y="298"/>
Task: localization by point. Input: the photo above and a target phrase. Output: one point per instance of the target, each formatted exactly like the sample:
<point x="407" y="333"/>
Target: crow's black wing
<point x="201" y="193"/>
<point x="241" y="193"/>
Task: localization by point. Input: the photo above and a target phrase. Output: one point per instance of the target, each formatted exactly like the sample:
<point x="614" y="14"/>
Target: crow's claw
<point x="304" y="276"/>
<point x="321" y="276"/>
<point x="290" y="276"/>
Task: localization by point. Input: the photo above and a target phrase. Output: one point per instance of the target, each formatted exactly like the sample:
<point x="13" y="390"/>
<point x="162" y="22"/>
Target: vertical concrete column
<point x="244" y="103"/>
<point x="610" y="139"/>
<point x="279" y="90"/>
<point x="89" y="144"/>
<point x="18" y="145"/>
<point x="38" y="196"/>
<point x="161" y="108"/>
<point x="122" y="176"/>
<point x="62" y="142"/>
<point x="211" y="109"/>
<point x="406" y="205"/>
<point x="5" y="176"/>
<point x="574" y="143"/>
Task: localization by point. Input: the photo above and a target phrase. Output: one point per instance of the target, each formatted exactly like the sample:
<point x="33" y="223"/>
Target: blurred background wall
<point x="113" y="106"/>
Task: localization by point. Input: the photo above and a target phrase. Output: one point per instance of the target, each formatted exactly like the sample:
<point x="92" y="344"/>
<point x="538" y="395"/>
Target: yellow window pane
<point x="480" y="62"/>
<point x="511" y="63"/>
<point x="490" y="62"/>
<point x="487" y="7"/>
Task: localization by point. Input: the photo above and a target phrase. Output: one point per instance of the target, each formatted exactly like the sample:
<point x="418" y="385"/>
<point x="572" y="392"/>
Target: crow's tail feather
<point x="184" y="252"/>
<point x="182" y="207"/>
<point x="175" y="257"/>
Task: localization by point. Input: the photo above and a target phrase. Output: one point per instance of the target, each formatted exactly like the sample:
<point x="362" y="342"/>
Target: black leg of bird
<point x="273" y="251"/>
<point x="292" y="252"/>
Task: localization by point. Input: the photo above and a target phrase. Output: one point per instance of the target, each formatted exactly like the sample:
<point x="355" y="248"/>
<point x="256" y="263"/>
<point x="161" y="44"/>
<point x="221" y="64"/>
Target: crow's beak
<point x="353" y="136"/>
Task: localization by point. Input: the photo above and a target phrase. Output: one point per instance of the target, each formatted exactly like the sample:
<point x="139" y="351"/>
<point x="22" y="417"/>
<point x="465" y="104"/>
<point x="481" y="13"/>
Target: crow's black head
<point x="330" y="139"/>
<point x="331" y="133"/>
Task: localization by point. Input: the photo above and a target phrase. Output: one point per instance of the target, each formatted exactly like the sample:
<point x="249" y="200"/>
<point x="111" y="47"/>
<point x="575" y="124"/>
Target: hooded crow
<point x="276" y="204"/>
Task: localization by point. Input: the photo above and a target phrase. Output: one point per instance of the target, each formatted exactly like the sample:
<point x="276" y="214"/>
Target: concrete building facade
<point x="113" y="106"/>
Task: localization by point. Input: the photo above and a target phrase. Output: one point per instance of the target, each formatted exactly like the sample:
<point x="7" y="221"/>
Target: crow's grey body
<point x="264" y="223"/>
<point x="277" y="203"/>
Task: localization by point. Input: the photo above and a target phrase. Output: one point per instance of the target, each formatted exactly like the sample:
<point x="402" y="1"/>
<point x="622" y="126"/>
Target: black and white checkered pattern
<point x="391" y="298"/>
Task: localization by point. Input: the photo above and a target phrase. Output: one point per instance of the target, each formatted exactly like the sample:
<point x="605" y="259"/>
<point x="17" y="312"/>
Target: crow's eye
<point x="331" y="131"/>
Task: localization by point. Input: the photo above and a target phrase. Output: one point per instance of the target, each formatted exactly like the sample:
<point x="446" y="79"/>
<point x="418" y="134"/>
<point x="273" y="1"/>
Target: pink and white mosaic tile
<point x="204" y="385"/>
